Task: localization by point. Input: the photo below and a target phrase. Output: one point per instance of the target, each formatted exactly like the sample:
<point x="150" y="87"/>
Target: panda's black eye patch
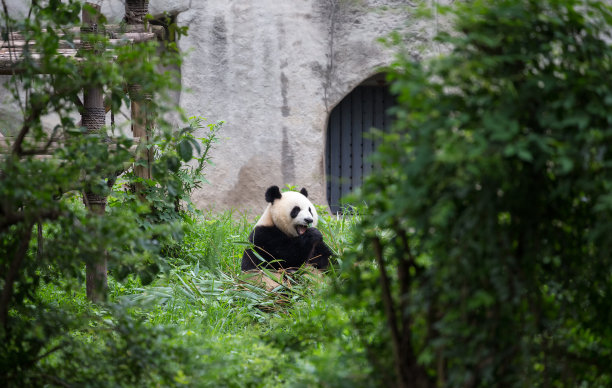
<point x="295" y="211"/>
<point x="310" y="210"/>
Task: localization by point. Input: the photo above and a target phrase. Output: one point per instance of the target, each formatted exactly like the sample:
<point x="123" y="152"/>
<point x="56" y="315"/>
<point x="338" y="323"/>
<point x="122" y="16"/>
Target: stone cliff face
<point x="273" y="70"/>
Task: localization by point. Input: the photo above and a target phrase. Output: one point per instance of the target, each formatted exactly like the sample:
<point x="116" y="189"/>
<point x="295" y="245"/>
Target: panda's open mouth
<point x="301" y="229"/>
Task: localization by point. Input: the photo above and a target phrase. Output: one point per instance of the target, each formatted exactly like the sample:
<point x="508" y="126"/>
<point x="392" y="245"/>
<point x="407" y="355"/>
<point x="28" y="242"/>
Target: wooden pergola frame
<point x="93" y="114"/>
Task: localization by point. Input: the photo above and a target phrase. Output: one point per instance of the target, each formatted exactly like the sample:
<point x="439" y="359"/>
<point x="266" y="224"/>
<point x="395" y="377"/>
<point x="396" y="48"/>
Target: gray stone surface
<point x="273" y="70"/>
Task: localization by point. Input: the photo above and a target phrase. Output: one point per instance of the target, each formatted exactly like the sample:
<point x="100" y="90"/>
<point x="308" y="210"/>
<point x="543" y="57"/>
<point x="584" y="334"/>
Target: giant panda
<point x="285" y="236"/>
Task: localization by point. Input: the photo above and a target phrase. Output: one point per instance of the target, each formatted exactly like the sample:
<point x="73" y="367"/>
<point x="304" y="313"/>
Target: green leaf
<point x="185" y="150"/>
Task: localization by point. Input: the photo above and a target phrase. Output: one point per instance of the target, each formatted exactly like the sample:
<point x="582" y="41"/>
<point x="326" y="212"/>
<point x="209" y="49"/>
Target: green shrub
<point x="47" y="236"/>
<point x="486" y="233"/>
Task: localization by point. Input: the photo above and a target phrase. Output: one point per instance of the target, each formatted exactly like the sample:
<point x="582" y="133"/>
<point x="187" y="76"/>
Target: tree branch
<point x="25" y="128"/>
<point x="44" y="149"/>
<point x="15" y="218"/>
<point x="389" y="310"/>
<point x="56" y="380"/>
<point x="47" y="353"/>
<point x="12" y="274"/>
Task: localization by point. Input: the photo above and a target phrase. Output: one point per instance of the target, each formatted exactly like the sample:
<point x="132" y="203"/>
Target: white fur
<point x="279" y="213"/>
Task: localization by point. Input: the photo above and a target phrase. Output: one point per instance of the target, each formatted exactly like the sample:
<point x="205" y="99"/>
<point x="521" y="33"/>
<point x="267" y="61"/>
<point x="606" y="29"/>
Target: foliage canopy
<point x="46" y="234"/>
<point x="489" y="222"/>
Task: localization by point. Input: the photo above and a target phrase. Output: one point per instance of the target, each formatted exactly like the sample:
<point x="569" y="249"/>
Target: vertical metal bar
<point x="388" y="102"/>
<point x="379" y="111"/>
<point x="345" y="153"/>
<point x="334" y="159"/>
<point x="357" y="138"/>
<point x="328" y="161"/>
<point x="368" y="123"/>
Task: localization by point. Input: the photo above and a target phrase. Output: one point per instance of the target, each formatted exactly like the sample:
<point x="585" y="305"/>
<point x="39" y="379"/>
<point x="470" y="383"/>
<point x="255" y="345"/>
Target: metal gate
<point x="348" y="141"/>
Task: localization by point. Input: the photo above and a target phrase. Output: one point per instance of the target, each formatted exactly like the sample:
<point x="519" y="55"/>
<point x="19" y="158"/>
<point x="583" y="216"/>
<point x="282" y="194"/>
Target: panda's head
<point x="291" y="212"/>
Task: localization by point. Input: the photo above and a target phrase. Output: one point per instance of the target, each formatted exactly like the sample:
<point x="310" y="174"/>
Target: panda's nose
<point x="308" y="220"/>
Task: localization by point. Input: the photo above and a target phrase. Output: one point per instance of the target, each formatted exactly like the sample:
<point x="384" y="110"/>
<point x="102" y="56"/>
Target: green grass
<point x="220" y="330"/>
<point x="214" y="242"/>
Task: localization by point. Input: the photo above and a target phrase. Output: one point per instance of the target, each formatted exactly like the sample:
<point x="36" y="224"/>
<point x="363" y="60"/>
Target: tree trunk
<point x="93" y="118"/>
<point x="12" y="274"/>
<point x="409" y="373"/>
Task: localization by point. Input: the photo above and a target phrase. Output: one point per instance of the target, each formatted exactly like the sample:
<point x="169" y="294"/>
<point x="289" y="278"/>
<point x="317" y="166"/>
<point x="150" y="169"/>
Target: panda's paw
<point x="313" y="235"/>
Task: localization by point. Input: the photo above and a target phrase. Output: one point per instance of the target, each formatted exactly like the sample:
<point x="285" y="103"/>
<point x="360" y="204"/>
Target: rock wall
<point x="273" y="70"/>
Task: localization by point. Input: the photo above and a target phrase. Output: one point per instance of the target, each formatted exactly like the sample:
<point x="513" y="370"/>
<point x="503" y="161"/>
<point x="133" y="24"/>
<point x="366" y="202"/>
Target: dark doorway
<point x="348" y="143"/>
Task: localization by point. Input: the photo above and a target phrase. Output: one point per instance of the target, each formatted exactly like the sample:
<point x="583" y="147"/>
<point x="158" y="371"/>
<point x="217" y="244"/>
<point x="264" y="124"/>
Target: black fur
<point x="273" y="193"/>
<point x="282" y="251"/>
<point x="295" y="211"/>
<point x="304" y="192"/>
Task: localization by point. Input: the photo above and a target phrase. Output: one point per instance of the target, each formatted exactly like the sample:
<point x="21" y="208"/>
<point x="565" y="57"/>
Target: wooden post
<point x="93" y="118"/>
<point x="141" y="129"/>
<point x="141" y="115"/>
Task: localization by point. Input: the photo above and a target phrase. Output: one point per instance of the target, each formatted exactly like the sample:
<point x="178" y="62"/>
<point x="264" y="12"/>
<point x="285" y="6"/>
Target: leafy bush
<point x="46" y="235"/>
<point x="487" y="231"/>
<point x="177" y="170"/>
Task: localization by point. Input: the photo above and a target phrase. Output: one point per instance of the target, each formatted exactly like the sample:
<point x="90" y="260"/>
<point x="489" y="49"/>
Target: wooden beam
<point x="10" y="60"/>
<point x="7" y="141"/>
<point x="11" y="50"/>
<point x="110" y="30"/>
<point x="119" y="40"/>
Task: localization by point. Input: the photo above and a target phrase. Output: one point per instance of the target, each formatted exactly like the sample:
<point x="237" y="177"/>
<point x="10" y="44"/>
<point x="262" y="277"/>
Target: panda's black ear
<point x="272" y="193"/>
<point x="304" y="192"/>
